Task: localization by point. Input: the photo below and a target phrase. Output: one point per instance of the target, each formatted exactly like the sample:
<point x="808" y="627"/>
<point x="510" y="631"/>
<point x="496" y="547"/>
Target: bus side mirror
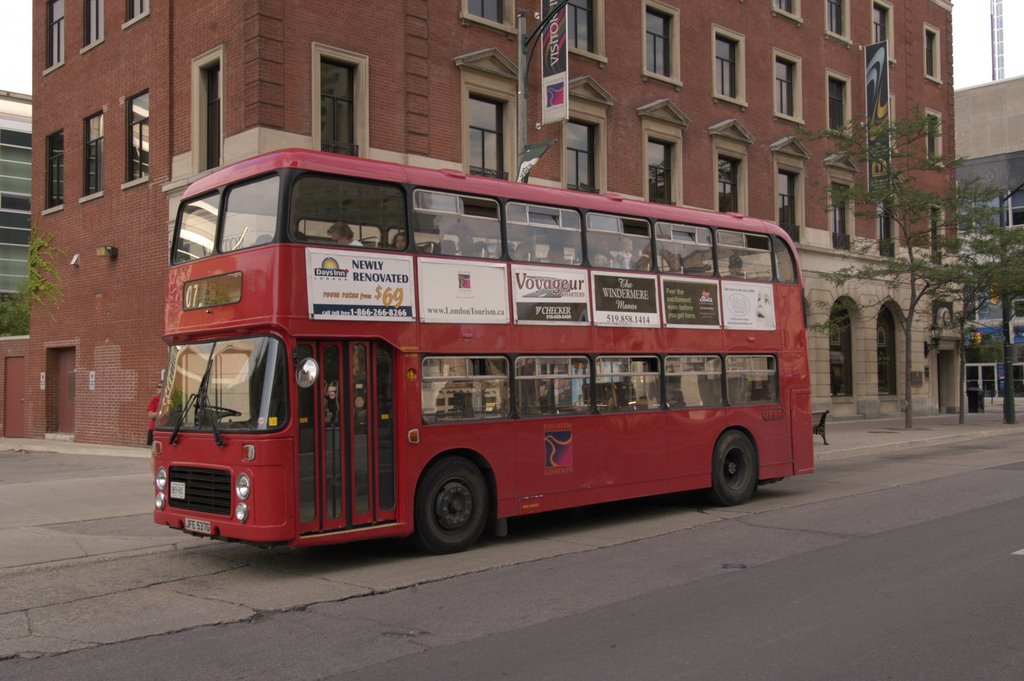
<point x="307" y="372"/>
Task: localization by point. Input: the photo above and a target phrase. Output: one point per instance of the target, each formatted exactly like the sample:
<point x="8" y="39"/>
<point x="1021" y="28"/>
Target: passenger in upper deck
<point x="342" y="235"/>
<point x="400" y="242"/>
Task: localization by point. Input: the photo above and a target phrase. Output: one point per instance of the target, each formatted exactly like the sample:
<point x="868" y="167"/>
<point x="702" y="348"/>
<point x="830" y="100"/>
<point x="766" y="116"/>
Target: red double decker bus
<point x="361" y="349"/>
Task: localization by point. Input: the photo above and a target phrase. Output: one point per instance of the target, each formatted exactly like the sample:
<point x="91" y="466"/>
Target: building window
<point x="55" y="169"/>
<point x="786" y="183"/>
<point x="886" y="353"/>
<point x="581" y="151"/>
<point x="55" y="32"/>
<point x="15" y="204"/>
<point x="836" y="103"/>
<point x="138" y="136"/>
<point x="93" y="21"/>
<point x="837" y="217"/>
<point x="659" y="42"/>
<point x="879" y="22"/>
<point x="659" y="172"/>
<point x="581" y="24"/>
<point x="785" y="87"/>
<point x="93" y="162"/>
<point x="337" y="108"/>
<point x="1015" y="209"/>
<point x="785" y="6"/>
<point x="835" y="17"/>
<point x="728" y="184"/>
<point x="840" y="349"/>
<point x="726" y="50"/>
<point x="487" y="9"/>
<point x="211" y="100"/>
<point x="136" y="9"/>
<point x="933" y="136"/>
<point x="931" y="53"/>
<point x="886" y="246"/>
<point x="486" y="141"/>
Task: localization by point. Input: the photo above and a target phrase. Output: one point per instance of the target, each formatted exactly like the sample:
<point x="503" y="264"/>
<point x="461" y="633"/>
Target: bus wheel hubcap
<point x="453" y="505"/>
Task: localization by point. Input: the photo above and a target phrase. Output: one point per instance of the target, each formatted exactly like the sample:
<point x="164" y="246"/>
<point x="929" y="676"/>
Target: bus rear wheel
<point x="733" y="470"/>
<point x="451" y="506"/>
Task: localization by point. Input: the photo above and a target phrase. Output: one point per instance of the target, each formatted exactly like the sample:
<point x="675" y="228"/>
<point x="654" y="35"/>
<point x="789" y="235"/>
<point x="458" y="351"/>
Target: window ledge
<point x="742" y="103"/>
<point x="480" y="21"/>
<point x="786" y="15"/>
<point x="791" y="119"/>
<point x="600" y="59"/>
<point x="135" y="183"/>
<point x="50" y="69"/>
<point x="134" y="20"/>
<point x="649" y="75"/>
<point x="52" y="209"/>
<point x="932" y="79"/>
<point x="841" y="39"/>
<point x="91" y="197"/>
<point x="91" y="46"/>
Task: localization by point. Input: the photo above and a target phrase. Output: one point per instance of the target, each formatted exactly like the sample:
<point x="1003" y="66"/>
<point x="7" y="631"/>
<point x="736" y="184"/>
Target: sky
<point x="972" y="62"/>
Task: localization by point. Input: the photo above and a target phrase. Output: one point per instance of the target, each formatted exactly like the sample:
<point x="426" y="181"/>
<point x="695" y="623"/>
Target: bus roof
<point x="457" y="181"/>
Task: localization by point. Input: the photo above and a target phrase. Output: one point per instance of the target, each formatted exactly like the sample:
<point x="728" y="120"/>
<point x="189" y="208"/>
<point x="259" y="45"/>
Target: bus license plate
<point x="177" y="490"/>
<point x="200" y="526"/>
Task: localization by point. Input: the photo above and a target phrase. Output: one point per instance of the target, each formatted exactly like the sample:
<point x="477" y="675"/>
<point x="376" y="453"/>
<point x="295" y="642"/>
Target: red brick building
<point x="695" y="103"/>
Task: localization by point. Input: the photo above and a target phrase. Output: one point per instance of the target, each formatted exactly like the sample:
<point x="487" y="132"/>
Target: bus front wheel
<point x="451" y="506"/>
<point x="733" y="470"/>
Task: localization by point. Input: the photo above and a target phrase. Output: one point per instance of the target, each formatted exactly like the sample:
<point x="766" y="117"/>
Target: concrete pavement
<point x="52" y="511"/>
<point x="83" y="564"/>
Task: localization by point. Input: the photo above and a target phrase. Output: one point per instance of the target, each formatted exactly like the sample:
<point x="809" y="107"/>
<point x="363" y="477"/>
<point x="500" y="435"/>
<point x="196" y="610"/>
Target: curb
<point x="912" y="443"/>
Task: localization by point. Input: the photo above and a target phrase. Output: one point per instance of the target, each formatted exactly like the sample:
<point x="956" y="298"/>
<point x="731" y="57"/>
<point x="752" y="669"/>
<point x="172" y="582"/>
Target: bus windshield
<point x="238" y="384"/>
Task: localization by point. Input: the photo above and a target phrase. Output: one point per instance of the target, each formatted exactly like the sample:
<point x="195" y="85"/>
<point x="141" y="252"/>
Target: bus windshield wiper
<point x="203" y="401"/>
<point x="200" y="400"/>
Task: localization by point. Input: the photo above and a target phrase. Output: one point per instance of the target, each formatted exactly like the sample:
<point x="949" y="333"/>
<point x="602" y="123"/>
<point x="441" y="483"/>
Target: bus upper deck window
<point x="324" y="210"/>
<point x="684" y="249"/>
<point x="197" y="229"/>
<point x="742" y="255"/>
<point x="250" y="216"/>
<point x="544" y="234"/>
<point x="453" y="224"/>
<point x="785" y="267"/>
<point x="618" y="243"/>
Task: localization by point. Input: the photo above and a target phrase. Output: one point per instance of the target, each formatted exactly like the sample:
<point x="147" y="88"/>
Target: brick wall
<point x="111" y="311"/>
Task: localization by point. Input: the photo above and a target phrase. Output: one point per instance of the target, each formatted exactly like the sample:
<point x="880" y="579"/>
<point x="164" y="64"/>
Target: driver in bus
<point x="342" y="235"/>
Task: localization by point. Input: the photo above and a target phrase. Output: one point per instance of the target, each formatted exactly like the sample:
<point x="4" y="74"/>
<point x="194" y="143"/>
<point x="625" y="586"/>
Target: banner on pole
<point x="876" y="80"/>
<point x="555" y="65"/>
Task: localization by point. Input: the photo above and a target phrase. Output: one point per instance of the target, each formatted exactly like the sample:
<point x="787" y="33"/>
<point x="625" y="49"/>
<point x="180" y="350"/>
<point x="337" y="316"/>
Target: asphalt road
<point x="901" y="565"/>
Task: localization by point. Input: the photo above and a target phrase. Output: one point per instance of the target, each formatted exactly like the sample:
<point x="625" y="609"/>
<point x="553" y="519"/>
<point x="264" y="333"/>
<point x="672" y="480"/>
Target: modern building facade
<point x="701" y="104"/>
<point x="15" y="188"/>
<point x="993" y="151"/>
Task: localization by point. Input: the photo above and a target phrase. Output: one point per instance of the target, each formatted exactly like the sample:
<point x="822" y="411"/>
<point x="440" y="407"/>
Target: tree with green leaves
<point x="991" y="266"/>
<point x="41" y="286"/>
<point x="917" y="205"/>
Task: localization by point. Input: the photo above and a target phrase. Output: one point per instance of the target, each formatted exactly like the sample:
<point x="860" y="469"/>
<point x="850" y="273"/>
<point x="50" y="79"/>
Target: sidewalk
<point x="859" y="436"/>
<point x="846" y="436"/>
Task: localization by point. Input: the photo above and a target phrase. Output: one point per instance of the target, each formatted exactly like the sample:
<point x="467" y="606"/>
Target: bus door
<point x="346" y="457"/>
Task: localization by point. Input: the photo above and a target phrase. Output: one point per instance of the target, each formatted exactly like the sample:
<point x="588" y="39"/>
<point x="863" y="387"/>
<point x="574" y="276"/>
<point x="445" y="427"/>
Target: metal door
<point x="346" y="458"/>
<point x="14" y="397"/>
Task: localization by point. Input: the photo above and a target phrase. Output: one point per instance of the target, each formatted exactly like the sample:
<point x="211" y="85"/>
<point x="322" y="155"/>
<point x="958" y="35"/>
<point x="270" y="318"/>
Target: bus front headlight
<point x="161" y="478"/>
<point x="160" y="501"/>
<point x="242" y="486"/>
<point x="241" y="512"/>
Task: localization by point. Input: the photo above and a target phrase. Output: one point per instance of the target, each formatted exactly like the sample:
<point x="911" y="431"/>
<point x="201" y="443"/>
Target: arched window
<point x="840" y="351"/>
<point x="886" y="353"/>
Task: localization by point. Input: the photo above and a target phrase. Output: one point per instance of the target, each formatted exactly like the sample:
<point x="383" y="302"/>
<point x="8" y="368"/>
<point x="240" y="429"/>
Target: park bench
<point x="819" y="425"/>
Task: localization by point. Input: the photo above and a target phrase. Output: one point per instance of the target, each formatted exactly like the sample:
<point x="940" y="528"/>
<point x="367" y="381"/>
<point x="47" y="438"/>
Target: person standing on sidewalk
<point x="153" y="408"/>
